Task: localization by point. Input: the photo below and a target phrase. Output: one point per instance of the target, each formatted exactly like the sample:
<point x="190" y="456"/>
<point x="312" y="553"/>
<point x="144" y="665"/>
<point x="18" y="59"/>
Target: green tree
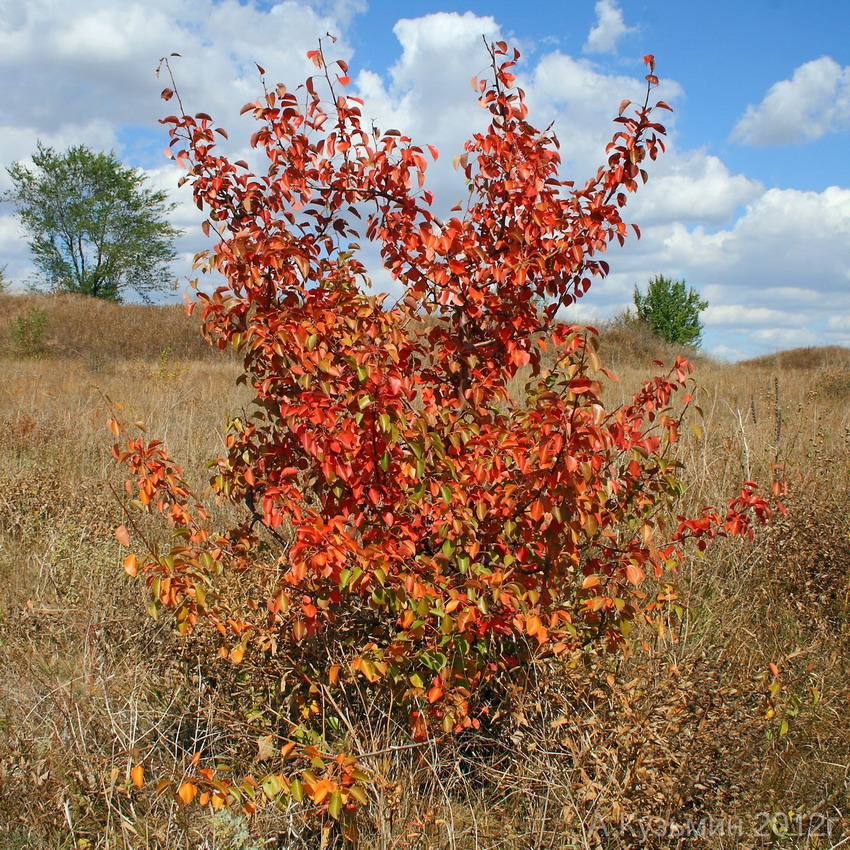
<point x="671" y="310"/>
<point x="93" y="226"/>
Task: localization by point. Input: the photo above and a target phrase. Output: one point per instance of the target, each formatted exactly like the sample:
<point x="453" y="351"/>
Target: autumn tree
<point x="94" y="227"/>
<point x="413" y="528"/>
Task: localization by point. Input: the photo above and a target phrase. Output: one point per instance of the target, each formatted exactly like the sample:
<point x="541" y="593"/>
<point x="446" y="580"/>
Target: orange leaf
<point x="322" y="789"/>
<point x="130" y="565"/>
<point x="634" y="574"/>
<point x="435" y="693"/>
<point x="122" y="535"/>
<point x="187" y="792"/>
<point x="137" y="774"/>
<point x="114" y="426"/>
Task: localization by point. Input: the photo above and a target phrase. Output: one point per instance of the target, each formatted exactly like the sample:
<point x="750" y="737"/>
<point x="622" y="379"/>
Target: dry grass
<point x="592" y="753"/>
<point x="813" y="357"/>
<point x="101" y="332"/>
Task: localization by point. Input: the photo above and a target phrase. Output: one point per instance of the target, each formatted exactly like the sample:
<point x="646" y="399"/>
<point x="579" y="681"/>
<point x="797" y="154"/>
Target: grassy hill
<point x="810" y="357"/>
<point x="98" y="330"/>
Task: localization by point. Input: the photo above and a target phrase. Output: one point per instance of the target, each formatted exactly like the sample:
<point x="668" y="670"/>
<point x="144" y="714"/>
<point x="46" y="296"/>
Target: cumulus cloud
<point x="582" y="102"/>
<point x="426" y="93"/>
<point x="608" y="30"/>
<point x="693" y="187"/>
<point x="64" y="59"/>
<point x="814" y="102"/>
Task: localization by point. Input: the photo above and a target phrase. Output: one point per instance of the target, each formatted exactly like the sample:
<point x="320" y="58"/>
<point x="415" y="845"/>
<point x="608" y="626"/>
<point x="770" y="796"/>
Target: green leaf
<point x="271" y="785"/>
<point x="359" y="794"/>
<point x="335" y="805"/>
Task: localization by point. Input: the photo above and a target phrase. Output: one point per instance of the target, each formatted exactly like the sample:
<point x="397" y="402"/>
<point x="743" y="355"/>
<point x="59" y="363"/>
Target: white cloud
<point x="65" y="58"/>
<point x="427" y="93"/>
<point x="692" y="187"/>
<point x="582" y="101"/>
<point x="725" y="315"/>
<point x="763" y="255"/>
<point x="814" y="102"/>
<point x="608" y="30"/>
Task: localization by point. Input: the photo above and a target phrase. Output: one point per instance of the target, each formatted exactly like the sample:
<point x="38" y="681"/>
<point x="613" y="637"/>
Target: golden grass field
<point x="679" y="734"/>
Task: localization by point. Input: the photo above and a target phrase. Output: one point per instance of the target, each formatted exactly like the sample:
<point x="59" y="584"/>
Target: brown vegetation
<point x="694" y="729"/>
<point x="101" y="331"/>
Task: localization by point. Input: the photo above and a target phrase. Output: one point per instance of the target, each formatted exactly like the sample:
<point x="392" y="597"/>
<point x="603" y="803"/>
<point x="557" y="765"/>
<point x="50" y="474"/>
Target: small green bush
<point x="26" y="333"/>
<point x="671" y="310"/>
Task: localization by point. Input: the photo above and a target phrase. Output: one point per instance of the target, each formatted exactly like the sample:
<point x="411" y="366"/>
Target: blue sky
<point x="751" y="204"/>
